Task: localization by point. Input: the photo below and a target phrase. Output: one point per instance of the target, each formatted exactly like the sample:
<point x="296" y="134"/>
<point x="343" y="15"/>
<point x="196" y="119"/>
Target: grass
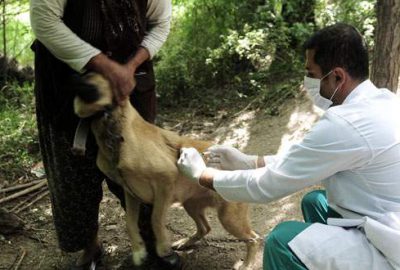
<point x="19" y="149"/>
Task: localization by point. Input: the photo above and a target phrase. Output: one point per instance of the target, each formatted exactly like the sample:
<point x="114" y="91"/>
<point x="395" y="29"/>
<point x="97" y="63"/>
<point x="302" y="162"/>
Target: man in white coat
<point x="354" y="150"/>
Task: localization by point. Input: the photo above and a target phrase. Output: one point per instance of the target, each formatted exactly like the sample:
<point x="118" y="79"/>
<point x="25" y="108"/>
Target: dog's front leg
<point x="139" y="252"/>
<point x="162" y="201"/>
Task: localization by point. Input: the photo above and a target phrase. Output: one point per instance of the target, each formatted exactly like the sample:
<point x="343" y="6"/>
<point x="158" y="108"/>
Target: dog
<point x="141" y="158"/>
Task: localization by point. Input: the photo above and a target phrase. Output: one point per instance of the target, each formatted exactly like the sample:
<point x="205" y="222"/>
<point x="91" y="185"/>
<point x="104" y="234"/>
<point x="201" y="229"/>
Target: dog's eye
<point x="85" y="90"/>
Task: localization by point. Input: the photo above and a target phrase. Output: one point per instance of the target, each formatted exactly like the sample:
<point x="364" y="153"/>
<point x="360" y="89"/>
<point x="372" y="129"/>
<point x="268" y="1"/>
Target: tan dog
<point x="141" y="157"/>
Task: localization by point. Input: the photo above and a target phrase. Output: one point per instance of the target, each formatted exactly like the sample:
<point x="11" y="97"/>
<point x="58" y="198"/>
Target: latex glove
<point x="229" y="158"/>
<point x="191" y="164"/>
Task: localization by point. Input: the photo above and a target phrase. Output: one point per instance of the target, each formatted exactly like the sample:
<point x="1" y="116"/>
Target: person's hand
<point x="121" y="77"/>
<point x="122" y="81"/>
<point x="191" y="164"/>
<point x="229" y="158"/>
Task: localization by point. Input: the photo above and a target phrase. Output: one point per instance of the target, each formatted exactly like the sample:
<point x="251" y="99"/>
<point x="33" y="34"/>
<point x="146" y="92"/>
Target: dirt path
<point x="251" y="131"/>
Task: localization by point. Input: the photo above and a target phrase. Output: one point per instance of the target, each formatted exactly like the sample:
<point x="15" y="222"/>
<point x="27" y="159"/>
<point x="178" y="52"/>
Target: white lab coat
<point x="355" y="151"/>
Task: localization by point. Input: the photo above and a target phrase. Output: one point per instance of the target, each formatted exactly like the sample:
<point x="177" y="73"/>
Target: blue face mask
<point x="313" y="88"/>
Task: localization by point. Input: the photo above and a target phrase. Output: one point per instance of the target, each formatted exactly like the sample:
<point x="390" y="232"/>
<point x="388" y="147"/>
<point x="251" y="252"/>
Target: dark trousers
<point x="75" y="183"/>
<point x="277" y="253"/>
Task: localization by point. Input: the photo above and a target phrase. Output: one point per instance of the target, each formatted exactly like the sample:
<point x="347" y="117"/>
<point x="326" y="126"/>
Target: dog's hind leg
<point x="234" y="219"/>
<point x="197" y="212"/>
<point x="139" y="252"/>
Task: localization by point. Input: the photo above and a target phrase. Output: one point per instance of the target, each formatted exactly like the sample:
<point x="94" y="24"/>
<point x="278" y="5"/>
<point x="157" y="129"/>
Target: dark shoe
<point x="96" y="263"/>
<point x="170" y="262"/>
<point x="153" y="262"/>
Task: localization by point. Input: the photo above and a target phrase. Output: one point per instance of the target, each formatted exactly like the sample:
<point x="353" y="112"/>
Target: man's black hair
<point x="340" y="45"/>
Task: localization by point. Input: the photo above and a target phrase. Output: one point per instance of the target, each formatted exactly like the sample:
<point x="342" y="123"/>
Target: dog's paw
<point x="180" y="244"/>
<point x="184" y="243"/>
<point x="139" y="256"/>
<point x="239" y="265"/>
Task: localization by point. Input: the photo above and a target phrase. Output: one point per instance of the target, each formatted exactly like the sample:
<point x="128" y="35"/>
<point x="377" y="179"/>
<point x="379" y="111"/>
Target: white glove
<point x="191" y="164"/>
<point x="229" y="158"/>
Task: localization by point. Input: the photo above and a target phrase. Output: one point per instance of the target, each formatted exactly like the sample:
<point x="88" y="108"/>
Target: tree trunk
<point x="386" y="60"/>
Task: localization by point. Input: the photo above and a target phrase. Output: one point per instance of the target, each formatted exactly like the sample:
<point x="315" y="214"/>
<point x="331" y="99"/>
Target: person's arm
<point x="158" y="19"/>
<point x="326" y="150"/>
<point x="226" y="157"/>
<point x="207" y="178"/>
<point x="330" y="147"/>
<point x="49" y="29"/>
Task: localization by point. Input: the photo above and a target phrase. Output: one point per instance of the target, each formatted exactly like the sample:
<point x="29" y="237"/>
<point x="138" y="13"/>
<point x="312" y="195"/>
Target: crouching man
<point x="354" y="149"/>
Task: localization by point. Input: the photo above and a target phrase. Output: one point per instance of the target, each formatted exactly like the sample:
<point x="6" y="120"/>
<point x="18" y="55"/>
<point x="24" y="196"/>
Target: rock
<point x="9" y="223"/>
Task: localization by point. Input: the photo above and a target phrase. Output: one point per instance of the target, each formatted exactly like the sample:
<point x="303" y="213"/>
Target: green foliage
<point x="18" y="35"/>
<point x="216" y="45"/>
<point x="198" y="28"/>
<point x="19" y="148"/>
<point x="245" y="47"/>
<point x="240" y="52"/>
<point x="360" y="14"/>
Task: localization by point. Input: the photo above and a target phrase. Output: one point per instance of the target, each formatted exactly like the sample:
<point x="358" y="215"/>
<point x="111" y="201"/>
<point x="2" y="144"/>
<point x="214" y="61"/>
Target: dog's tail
<point x="176" y="142"/>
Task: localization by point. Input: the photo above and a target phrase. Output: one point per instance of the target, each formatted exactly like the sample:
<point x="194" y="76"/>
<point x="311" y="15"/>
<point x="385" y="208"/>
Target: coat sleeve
<point x="331" y="146"/>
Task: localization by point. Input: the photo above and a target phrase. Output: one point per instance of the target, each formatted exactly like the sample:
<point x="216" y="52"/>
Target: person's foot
<point x="153" y="262"/>
<point x="91" y="257"/>
<point x="94" y="262"/>
<point x="172" y="262"/>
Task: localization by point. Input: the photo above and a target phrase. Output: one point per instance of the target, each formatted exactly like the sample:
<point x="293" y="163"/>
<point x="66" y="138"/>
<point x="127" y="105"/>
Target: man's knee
<point x="277" y="253"/>
<point x="281" y="235"/>
<point x="313" y="198"/>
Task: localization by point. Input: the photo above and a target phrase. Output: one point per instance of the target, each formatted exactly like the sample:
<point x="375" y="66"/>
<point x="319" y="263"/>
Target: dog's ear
<point x="85" y="90"/>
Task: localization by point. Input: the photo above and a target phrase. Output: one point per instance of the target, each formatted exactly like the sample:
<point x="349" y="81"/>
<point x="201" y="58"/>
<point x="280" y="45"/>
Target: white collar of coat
<point x="363" y="90"/>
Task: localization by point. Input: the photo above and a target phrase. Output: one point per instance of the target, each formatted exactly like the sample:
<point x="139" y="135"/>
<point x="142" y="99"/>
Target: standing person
<point x="117" y="39"/>
<point x="354" y="149"/>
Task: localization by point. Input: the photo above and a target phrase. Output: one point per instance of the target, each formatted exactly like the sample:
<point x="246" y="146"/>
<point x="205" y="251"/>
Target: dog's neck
<point x="107" y="110"/>
<point x="108" y="124"/>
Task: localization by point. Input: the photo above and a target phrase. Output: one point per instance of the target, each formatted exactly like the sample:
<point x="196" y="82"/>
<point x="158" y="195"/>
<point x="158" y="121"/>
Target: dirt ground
<point x="251" y="131"/>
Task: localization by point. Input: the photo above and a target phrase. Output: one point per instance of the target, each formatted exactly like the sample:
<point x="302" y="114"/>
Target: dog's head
<point x="93" y="95"/>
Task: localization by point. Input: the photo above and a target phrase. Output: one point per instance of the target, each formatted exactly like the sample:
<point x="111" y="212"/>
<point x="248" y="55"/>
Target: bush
<point x="19" y="148"/>
<point x="360" y="14"/>
<point x="245" y="46"/>
<point x="18" y="35"/>
<point x="220" y="45"/>
<point x="198" y="27"/>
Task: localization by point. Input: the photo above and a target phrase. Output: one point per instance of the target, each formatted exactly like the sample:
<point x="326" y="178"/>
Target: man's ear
<point x="340" y="74"/>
